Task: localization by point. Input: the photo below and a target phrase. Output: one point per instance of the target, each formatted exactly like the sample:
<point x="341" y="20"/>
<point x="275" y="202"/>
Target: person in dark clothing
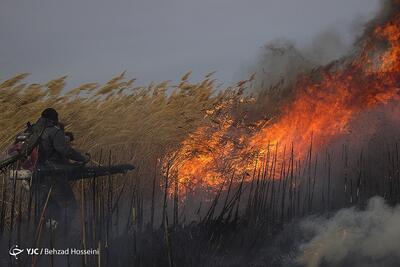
<point x="55" y="152"/>
<point x="53" y="147"/>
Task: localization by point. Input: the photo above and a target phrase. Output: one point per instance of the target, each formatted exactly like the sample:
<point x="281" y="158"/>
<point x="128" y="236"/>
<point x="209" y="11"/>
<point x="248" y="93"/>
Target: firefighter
<point x="44" y="156"/>
<point x="53" y="148"/>
<point x="54" y="151"/>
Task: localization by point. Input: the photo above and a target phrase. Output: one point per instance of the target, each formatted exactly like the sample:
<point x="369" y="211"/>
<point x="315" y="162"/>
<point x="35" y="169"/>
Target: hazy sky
<point x="92" y="40"/>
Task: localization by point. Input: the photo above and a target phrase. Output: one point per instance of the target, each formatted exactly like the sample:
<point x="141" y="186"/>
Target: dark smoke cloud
<point x="283" y="60"/>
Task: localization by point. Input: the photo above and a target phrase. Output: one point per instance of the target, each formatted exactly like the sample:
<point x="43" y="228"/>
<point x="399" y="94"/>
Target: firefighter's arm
<point x="65" y="150"/>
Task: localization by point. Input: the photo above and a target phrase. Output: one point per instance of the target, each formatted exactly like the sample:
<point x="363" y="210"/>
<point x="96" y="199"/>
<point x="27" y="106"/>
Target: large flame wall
<point x="321" y="110"/>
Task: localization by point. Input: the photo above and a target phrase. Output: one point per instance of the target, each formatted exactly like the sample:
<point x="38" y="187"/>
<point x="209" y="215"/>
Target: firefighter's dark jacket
<point x="53" y="147"/>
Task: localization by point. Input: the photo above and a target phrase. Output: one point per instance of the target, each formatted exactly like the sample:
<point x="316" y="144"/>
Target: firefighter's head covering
<point x="51" y="114"/>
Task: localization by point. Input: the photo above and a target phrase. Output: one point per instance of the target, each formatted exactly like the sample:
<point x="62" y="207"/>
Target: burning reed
<point x="217" y="175"/>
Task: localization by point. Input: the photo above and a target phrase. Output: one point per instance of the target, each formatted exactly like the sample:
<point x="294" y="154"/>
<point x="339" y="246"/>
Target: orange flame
<point x="322" y="107"/>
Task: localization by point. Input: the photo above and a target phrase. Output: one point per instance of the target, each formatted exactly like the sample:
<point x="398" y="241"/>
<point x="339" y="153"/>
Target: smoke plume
<point x="283" y="60"/>
<point x="352" y="237"/>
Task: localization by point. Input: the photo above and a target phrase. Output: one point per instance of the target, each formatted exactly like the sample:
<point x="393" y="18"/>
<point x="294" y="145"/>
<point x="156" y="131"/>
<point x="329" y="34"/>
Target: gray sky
<point x="92" y="40"/>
